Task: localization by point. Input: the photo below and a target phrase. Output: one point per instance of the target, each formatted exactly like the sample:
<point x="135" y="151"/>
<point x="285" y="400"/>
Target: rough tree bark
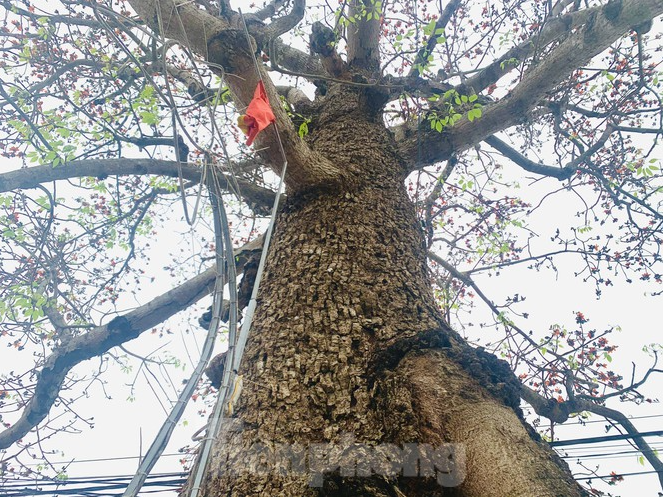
<point x="347" y="339"/>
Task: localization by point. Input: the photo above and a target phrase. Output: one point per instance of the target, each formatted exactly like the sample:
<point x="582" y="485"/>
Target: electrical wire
<point x="605" y="438"/>
<point x="224" y="259"/>
<point x="90" y="485"/>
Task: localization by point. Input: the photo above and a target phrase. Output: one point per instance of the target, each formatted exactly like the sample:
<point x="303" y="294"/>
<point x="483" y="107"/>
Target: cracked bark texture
<point x="347" y="339"/>
<point x="336" y="345"/>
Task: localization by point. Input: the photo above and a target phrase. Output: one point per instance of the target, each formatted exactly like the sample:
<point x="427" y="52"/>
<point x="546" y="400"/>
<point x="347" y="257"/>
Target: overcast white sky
<point x="122" y="427"/>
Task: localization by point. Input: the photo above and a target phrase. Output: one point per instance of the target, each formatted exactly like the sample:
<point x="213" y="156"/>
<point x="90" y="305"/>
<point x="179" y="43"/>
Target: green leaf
<point x="429" y="28"/>
<point x="303" y="129"/>
<point x="148" y="117"/>
<point x="147" y="92"/>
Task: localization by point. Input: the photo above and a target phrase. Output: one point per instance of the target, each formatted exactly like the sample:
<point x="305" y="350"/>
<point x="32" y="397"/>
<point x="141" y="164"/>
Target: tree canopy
<point x="114" y="115"/>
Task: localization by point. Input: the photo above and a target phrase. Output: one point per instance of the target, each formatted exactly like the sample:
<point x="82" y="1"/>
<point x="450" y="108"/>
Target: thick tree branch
<point x="270" y="9"/>
<point x="292" y="59"/>
<point x="322" y="42"/>
<point x="364" y="37"/>
<point x="228" y="52"/>
<point x="285" y="23"/>
<point x="647" y="451"/>
<point x="603" y="27"/>
<point x="553" y="30"/>
<point x="561" y="173"/>
<point x="259" y="198"/>
<point x="101" y="339"/>
<point x="296" y="98"/>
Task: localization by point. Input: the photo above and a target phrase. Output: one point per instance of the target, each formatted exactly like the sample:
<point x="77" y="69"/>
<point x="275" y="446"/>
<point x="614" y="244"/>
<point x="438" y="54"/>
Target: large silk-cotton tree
<point x="396" y="120"/>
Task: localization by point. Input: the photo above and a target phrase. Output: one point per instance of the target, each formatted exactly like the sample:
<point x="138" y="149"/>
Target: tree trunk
<point x="348" y="349"/>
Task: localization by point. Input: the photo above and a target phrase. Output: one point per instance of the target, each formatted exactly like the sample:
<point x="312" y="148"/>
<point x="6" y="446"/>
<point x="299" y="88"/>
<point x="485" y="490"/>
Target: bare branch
<point x="260" y="198"/>
<point x="101" y="339"/>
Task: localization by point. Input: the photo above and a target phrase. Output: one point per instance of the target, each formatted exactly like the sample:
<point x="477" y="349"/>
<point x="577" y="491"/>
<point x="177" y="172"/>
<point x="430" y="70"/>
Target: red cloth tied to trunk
<point x="258" y="115"/>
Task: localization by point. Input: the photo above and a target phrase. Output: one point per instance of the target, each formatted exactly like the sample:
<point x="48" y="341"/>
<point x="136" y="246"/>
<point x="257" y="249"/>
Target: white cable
<point x="224" y="259"/>
<point x="232" y="363"/>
